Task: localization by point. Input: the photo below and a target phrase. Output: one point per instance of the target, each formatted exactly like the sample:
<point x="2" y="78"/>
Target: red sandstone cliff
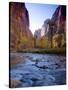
<point x="20" y="35"/>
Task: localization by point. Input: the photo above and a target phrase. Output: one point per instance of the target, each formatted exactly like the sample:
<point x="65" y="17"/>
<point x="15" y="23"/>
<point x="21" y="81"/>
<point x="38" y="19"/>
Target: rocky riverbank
<point x="15" y="59"/>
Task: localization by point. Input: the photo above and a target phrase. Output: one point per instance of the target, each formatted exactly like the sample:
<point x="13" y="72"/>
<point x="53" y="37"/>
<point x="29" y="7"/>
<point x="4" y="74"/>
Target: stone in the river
<point x="54" y="66"/>
<point x="47" y="80"/>
<point x="34" y="75"/>
<point x="26" y="82"/>
<point x="30" y="68"/>
<point x="43" y="65"/>
<point x="15" y="75"/>
<point x="20" y="71"/>
<point x="30" y="79"/>
<point x="15" y="59"/>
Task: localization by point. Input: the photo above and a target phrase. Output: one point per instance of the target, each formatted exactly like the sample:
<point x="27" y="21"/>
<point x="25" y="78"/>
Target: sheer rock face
<point x="59" y="17"/>
<point x="19" y="27"/>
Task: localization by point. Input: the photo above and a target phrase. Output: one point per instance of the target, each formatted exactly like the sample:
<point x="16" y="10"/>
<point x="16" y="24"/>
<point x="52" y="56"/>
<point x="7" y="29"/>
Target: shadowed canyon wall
<point x="20" y="35"/>
<point x="59" y="18"/>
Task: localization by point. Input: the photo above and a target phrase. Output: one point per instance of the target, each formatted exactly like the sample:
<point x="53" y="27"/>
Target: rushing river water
<point x="40" y="70"/>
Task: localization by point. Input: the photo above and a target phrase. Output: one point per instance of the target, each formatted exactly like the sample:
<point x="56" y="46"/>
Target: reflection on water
<point x="40" y="70"/>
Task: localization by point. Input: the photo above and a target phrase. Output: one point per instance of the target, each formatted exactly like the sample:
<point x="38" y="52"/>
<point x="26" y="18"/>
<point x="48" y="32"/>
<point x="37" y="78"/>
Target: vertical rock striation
<point x="20" y="35"/>
<point x="59" y="18"/>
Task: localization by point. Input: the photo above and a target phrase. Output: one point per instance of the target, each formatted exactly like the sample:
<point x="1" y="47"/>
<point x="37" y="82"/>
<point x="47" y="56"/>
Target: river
<point x="40" y="70"/>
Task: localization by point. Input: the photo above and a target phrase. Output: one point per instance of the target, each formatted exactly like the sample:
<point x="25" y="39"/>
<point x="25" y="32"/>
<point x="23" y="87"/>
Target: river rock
<point x="43" y="65"/>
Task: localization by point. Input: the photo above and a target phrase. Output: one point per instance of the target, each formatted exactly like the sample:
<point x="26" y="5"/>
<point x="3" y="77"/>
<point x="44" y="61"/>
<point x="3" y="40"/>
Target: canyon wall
<point x="59" y="18"/>
<point x="20" y="35"/>
<point x="53" y="31"/>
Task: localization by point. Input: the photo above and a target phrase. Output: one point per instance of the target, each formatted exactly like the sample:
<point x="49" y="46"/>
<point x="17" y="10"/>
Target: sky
<point x="38" y="13"/>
